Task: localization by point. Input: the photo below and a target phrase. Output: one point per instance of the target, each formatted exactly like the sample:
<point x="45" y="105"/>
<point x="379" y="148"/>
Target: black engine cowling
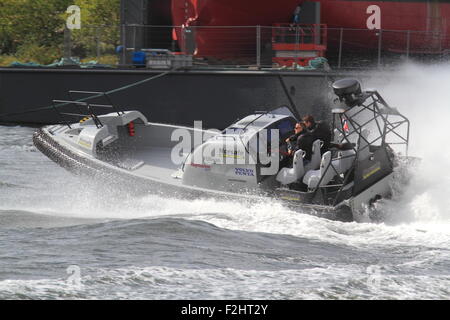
<point x="347" y="90"/>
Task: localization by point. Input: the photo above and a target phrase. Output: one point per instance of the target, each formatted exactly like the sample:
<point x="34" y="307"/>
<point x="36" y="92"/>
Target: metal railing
<point x="253" y="46"/>
<point x="84" y="109"/>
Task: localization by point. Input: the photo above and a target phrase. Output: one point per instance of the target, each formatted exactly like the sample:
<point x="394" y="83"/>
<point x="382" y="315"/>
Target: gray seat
<point x="290" y="175"/>
<point x="315" y="156"/>
<point x="324" y="174"/>
<point x="339" y="165"/>
<point x="344" y="161"/>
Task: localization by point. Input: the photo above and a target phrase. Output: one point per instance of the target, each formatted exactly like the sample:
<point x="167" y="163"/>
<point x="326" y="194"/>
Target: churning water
<point x="64" y="237"/>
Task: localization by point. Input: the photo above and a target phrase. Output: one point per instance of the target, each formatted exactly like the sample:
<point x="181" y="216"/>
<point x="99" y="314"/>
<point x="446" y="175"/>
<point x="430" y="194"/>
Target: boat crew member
<point x="319" y="130"/>
<point x="293" y="138"/>
<point x="301" y="139"/>
<point x="286" y="161"/>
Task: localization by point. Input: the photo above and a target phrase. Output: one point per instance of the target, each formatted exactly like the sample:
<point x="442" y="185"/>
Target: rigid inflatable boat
<point x="243" y="162"/>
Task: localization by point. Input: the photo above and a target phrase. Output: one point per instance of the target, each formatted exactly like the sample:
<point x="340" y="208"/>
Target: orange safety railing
<point x="298" y="43"/>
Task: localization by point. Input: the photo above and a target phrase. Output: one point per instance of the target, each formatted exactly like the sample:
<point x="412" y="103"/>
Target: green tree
<point x="100" y="21"/>
<point x="33" y="30"/>
<point x="31" y="22"/>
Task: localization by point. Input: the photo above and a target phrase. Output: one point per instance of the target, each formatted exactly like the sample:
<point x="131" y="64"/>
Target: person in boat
<point x="301" y="139"/>
<point x="291" y="142"/>
<point x="293" y="138"/>
<point x="319" y="130"/>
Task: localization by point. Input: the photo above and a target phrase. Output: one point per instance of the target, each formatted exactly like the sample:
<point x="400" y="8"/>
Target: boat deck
<point x="155" y="163"/>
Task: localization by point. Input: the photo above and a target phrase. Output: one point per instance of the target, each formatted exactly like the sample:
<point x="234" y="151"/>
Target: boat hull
<point x="359" y="203"/>
<point x="408" y="26"/>
<point x="129" y="183"/>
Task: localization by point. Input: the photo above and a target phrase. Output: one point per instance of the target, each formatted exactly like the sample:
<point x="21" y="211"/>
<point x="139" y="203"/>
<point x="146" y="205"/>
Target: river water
<point x="65" y="237"/>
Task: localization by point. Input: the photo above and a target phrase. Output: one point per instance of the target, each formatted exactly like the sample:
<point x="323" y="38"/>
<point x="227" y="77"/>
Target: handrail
<point x="90" y="113"/>
<point x="105" y="94"/>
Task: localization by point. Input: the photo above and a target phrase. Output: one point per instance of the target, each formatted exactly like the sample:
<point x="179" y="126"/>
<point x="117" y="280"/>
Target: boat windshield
<point x="234" y="130"/>
<point x="284" y="111"/>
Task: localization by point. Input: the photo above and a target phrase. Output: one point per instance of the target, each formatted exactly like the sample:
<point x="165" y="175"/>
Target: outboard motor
<point x="349" y="91"/>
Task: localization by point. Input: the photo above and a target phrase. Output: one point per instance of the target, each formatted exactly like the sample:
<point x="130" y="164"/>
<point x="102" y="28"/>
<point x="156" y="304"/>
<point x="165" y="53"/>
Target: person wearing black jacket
<point x="301" y="139"/>
<point x="320" y="130"/>
<point x="293" y="138"/>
